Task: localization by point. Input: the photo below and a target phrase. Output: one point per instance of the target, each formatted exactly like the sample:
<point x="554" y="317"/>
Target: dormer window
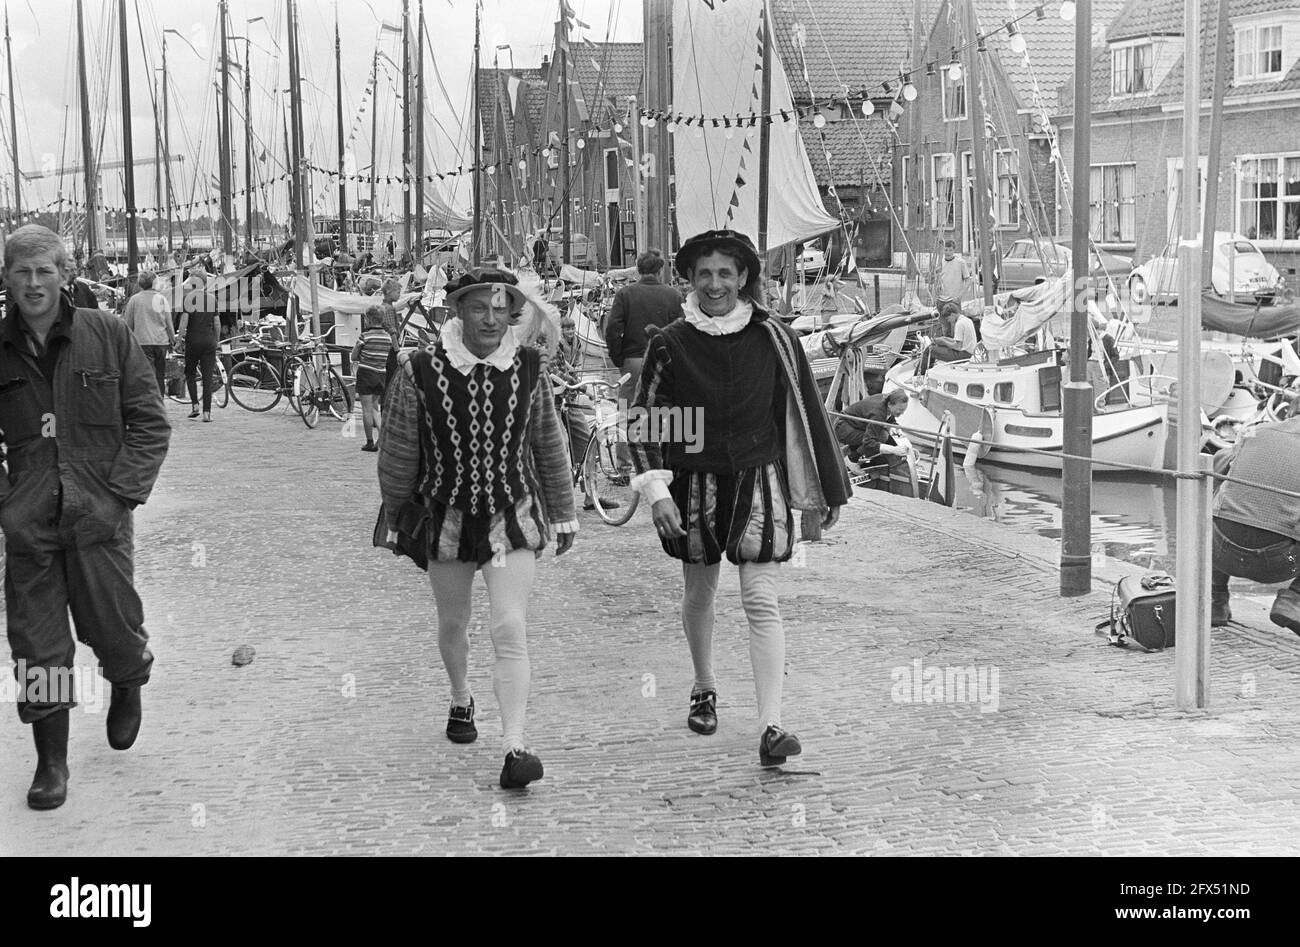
<point x="1130" y="69"/>
<point x="1259" y="52"/>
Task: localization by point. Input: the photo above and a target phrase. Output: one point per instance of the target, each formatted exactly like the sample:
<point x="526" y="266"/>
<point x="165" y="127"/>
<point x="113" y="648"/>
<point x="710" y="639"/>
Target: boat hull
<point x="1133" y="437"/>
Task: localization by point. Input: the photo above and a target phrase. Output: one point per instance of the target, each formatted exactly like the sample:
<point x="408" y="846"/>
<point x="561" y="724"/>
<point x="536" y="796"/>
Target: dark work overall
<point x="200" y="353"/>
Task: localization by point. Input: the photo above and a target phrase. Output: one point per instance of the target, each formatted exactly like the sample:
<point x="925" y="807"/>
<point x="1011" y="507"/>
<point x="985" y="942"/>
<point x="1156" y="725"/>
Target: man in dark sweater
<point x="647" y="302"/>
<point x="871" y="436"/>
<point x="1257" y="531"/>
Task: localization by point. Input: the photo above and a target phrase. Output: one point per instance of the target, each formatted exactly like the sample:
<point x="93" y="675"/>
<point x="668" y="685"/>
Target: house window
<point x="1259" y="52"/>
<point x="1008" y="176"/>
<point x="1130" y="69"/>
<point x="1112" y="213"/>
<point x="954" y="98"/>
<point x="1268" y="197"/>
<point x="943" y="177"/>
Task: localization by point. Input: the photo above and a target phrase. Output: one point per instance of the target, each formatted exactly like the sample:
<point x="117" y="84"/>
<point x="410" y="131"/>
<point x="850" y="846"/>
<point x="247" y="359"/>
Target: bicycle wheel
<point x="614" y="498"/>
<point x="220" y="386"/>
<point x="254" y="385"/>
<point x="339" y="402"/>
<point x="306" y="391"/>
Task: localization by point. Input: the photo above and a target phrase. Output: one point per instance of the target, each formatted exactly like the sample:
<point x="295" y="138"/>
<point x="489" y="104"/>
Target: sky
<point x="44" y="65"/>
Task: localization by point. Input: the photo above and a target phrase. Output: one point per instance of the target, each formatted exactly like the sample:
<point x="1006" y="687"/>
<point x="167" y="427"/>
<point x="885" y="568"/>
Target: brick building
<point x="1137" y="129"/>
<point x="934" y="167"/>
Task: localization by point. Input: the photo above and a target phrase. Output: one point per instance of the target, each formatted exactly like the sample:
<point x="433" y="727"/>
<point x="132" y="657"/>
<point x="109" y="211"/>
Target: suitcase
<point x="1143" y="610"/>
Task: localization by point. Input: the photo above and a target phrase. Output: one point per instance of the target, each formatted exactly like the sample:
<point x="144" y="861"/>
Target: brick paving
<point x="330" y="741"/>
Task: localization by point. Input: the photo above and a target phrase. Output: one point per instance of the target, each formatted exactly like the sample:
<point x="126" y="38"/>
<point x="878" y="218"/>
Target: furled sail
<point x="717" y="71"/>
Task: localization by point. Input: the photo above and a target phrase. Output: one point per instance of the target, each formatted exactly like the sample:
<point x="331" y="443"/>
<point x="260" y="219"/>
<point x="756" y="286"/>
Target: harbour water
<point x="1133" y="517"/>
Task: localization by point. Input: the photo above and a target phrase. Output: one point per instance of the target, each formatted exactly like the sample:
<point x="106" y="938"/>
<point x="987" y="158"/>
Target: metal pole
<point x="374" y="159"/>
<point x="128" y="172"/>
<point x="1076" y="508"/>
<point x="1191" y="682"/>
<point x="1216" y="142"/>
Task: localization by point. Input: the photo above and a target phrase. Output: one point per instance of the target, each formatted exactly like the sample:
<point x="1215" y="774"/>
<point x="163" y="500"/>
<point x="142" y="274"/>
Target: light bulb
<point x="546" y="152"/>
<point x="731" y="133"/>
<point x="671" y="128"/>
<point x="909" y="92"/>
<point x="582" y="143"/>
<point x="868" y="107"/>
<point x="618" y="127"/>
<point x="1017" y="42"/>
<point x="643" y="120"/>
<point x="650" y="122"/>
<point x="492" y="169"/>
<point x="819" y="120"/>
<point x="699" y="131"/>
<point x="954" y="72"/>
<point x="523" y="165"/>
<point x="1067" y="9"/>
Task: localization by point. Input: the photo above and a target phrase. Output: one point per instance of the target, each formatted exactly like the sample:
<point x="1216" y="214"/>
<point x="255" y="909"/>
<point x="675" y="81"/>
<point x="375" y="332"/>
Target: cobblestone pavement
<point x="330" y="741"/>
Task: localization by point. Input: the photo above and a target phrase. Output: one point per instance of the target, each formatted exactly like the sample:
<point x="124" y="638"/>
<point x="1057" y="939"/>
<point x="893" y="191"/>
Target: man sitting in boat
<point x="1257" y="531"/>
<point x="867" y="439"/>
<point x="956" y="344"/>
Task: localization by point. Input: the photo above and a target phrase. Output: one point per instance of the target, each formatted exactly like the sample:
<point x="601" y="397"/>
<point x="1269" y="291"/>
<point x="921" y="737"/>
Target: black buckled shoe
<point x="124" y="714"/>
<point x="460" y="724"/>
<point x="520" y="769"/>
<point x="704" y="712"/>
<point x="775" y="745"/>
<point x="49" y="788"/>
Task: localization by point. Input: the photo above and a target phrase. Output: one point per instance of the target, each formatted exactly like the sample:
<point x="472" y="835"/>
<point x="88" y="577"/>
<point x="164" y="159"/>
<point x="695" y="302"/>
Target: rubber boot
<point x="50" y="785"/>
<point x="124" y="715"/>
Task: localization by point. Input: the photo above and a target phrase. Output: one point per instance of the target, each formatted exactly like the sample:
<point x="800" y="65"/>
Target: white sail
<point x="717" y="71"/>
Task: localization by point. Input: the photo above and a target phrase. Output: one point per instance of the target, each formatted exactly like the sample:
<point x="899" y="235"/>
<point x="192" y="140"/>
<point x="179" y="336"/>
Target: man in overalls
<point x="86" y="433"/>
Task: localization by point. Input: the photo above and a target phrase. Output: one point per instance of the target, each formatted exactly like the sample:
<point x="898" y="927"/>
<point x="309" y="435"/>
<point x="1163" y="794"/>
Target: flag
<point x="389" y="27"/>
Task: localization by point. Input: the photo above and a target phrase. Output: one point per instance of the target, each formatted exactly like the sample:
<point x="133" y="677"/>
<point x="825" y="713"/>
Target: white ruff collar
<point x="733" y="321"/>
<point x="462" y="359"/>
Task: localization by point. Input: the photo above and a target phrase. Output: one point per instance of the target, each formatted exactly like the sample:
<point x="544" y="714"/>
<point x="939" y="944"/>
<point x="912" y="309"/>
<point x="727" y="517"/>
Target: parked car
<point x="1158" y="280"/>
<point x="1032" y="260"/>
<point x="811" y="262"/>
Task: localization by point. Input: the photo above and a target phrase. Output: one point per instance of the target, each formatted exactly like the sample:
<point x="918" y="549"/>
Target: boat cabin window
<point x="1049" y="388"/>
<point x="950" y="387"/>
<point x="974" y="391"/>
<point x="1004" y="391"/>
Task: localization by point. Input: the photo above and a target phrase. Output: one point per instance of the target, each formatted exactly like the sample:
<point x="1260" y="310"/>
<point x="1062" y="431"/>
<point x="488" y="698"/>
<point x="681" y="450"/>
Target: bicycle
<point x="259" y="381"/>
<point x="220" y="382"/>
<point x="598" y="471"/>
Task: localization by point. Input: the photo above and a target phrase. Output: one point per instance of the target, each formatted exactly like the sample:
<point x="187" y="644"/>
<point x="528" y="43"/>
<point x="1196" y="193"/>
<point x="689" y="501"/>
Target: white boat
<point x="1010" y="409"/>
<point x="1013" y="410"/>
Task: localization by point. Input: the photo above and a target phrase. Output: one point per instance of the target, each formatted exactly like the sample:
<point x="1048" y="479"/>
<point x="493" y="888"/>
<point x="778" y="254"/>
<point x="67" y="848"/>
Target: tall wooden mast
<point x="419" y="137"/>
<point x="13" y="122"/>
<point x="128" y="158"/>
<point x="476" y="251"/>
<point x="227" y="232"/>
<point x="566" y="175"/>
<point x="406" y="124"/>
<point x="765" y="133"/>
<point x="167" y="139"/>
<point x="338" y="94"/>
<point x="87" y="156"/>
<point x="248" y="144"/>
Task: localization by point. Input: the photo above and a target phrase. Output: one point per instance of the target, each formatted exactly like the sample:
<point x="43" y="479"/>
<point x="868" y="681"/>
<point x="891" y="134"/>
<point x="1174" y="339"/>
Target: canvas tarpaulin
<point x="717" y="71"/>
<point x="1264" y="322"/>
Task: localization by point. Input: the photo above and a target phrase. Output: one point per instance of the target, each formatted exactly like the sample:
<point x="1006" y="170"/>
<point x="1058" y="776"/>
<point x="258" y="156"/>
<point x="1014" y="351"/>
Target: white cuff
<point x="568" y="526"/>
<point x="653" y="485"/>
